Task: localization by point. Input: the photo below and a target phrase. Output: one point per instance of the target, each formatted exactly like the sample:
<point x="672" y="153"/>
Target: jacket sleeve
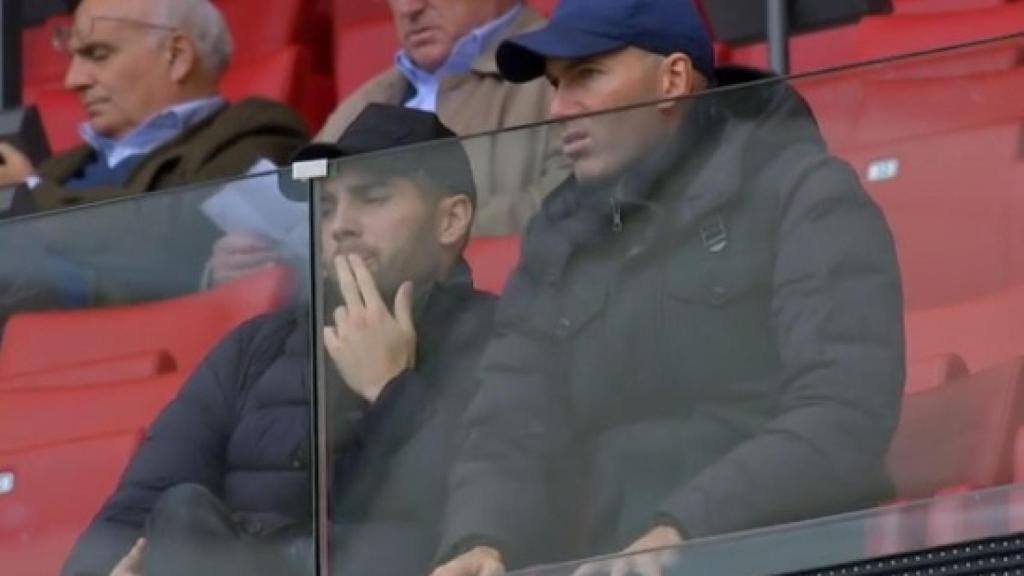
<point x="373" y="434"/>
<point x="499" y="485"/>
<point x="227" y="147"/>
<point x="837" y="310"/>
<point x="185" y="444"/>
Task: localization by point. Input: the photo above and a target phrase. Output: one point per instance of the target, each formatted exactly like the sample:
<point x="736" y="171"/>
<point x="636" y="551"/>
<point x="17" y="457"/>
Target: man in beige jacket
<point x="447" y="66"/>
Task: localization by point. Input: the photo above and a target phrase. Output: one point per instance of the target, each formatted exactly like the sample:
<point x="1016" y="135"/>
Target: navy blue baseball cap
<point x="583" y="28"/>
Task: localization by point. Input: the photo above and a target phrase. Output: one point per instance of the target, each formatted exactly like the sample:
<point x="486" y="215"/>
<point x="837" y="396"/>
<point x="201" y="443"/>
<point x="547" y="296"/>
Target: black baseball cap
<point x="584" y="28"/>
<point x="379" y="127"/>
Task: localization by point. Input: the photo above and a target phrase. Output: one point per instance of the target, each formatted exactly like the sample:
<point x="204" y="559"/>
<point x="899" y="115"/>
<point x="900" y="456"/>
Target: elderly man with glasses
<point x="147" y="75"/>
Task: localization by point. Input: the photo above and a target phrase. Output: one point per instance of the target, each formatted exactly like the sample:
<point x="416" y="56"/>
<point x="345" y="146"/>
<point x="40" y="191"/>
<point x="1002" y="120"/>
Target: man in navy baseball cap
<point x="607" y="54"/>
<point x="641" y="278"/>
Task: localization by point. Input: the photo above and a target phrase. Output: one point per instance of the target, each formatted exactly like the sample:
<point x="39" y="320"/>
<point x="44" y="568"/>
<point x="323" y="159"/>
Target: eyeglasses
<point x="63" y="36"/>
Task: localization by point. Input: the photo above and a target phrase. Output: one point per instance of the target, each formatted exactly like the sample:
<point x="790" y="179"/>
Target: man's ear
<point x="677" y="78"/>
<point x="454" y="220"/>
<point x="182" y="57"/>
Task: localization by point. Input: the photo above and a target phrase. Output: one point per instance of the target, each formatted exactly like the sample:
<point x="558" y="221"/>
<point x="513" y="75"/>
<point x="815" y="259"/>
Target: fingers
<point x="131" y="564"/>
<point x="347" y="285"/>
<point x="366" y="284"/>
<point x="470" y="565"/>
<point x="403" y="307"/>
<point x="237" y="255"/>
<point x="331" y="340"/>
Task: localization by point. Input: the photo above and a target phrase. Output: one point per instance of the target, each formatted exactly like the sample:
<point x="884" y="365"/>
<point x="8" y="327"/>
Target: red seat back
<point x="933" y="371"/>
<point x="277" y="76"/>
<point x="891" y="35"/>
<point x="364" y="46"/>
<point x="942" y="158"/>
<point x="186" y="327"/>
<point x="984" y="332"/>
<point x="74" y="413"/>
<point x="262" y="28"/>
<point x="940" y="6"/>
<point x="286" y="76"/>
<point x="57" y="489"/>
<point x="959" y="434"/>
<point x="41" y="62"/>
<point x="810" y="52"/>
<point x="492" y="260"/>
<point x="545" y="7"/>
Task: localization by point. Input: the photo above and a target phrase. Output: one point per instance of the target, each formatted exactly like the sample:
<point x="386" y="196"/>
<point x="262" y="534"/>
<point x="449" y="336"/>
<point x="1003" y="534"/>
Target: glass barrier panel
<point x="153" y="384"/>
<point x="736" y="312"/>
<point x="855" y="543"/>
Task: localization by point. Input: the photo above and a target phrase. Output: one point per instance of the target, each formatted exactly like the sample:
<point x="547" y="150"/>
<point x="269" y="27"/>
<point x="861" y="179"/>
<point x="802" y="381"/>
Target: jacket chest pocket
<point x="716" y="280"/>
<point x="718" y="329"/>
<point x="563" y="316"/>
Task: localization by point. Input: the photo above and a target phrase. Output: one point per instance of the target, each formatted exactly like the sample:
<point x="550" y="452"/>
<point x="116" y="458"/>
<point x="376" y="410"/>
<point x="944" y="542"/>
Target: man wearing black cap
<point x="704" y="334"/>
<point x="222" y="486"/>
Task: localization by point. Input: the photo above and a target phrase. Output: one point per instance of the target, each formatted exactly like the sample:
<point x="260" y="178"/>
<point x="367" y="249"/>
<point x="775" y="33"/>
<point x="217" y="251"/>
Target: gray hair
<point x="205" y="24"/>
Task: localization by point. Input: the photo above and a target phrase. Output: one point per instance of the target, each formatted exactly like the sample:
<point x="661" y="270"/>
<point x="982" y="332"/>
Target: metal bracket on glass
<point x="310" y="169"/>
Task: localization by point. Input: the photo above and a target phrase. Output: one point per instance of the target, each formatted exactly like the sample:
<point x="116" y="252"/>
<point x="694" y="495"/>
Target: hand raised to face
<point x="368" y="344"/>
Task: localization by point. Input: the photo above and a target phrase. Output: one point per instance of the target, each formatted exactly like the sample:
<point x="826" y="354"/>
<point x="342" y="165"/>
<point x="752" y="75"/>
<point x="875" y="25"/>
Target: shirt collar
<point x="464" y="54"/>
<point x="153" y="133"/>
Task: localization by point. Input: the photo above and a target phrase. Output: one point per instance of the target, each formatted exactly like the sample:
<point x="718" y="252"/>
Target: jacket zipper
<point x="616" y="216"/>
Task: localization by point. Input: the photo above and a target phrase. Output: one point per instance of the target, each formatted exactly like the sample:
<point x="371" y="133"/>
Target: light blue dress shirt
<point x="153" y="133"/>
<point x="460" y="61"/>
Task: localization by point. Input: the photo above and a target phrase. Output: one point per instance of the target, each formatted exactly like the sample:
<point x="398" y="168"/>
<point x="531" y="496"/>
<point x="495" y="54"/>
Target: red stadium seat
<point x="41" y="62"/>
<point x="278" y="76"/>
<point x="492" y="259"/>
<point x="938" y="6"/>
<point x="79" y="412"/>
<point x="364" y="46"/>
<point x="136" y="366"/>
<point x="545" y="7"/>
<point x="931" y="372"/>
<point x="57" y="489"/>
<point x="952" y="440"/>
<point x="185" y="327"/>
<point x="262" y="28"/>
<point x="984" y="332"/>
<point x="942" y="159"/>
<point x="902" y="109"/>
<point x="286" y="76"/>
<point x="809" y="52"/>
<point x="950" y="203"/>
<point x="884" y="36"/>
<point x="959" y="434"/>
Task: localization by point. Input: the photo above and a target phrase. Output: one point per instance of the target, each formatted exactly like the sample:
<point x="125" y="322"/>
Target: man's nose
<point x="563" y="104"/>
<point x="407" y="8"/>
<point x="344" y="222"/>
<point x="77" y="77"/>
